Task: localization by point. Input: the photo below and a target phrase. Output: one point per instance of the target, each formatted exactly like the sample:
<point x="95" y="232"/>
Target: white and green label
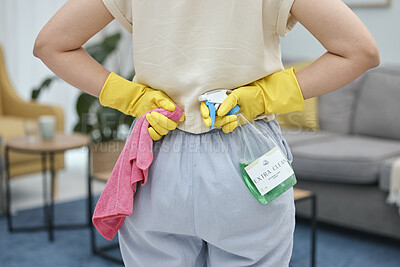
<point x="269" y="170"/>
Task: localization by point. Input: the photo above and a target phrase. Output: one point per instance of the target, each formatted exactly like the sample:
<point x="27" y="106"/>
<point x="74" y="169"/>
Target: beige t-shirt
<point x="188" y="47"/>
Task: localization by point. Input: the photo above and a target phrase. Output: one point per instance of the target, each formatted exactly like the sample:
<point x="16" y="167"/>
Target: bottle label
<point x="269" y="170"/>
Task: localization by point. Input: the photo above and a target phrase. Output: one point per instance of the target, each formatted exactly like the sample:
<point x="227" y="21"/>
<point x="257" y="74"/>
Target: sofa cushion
<point x="343" y="158"/>
<point x="336" y="108"/>
<point x="385" y="171"/>
<point x="308" y="118"/>
<point x="377" y="108"/>
<point x="296" y="136"/>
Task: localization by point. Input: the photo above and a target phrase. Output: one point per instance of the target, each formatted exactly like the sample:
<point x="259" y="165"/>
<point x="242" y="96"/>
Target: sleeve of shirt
<point x="121" y="11"/>
<point x="285" y="21"/>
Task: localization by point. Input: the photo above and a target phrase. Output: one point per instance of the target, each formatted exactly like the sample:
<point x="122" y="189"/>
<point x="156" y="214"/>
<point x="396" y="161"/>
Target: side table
<point x="303" y="195"/>
<point x="47" y="148"/>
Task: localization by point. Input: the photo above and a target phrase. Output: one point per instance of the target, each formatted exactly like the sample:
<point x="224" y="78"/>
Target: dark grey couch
<point x="347" y="162"/>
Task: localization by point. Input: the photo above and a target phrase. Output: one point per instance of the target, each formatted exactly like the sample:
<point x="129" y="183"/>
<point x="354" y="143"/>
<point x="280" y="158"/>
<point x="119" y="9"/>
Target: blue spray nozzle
<point x="212" y="109"/>
<point x="233" y="110"/>
<point x="213" y="99"/>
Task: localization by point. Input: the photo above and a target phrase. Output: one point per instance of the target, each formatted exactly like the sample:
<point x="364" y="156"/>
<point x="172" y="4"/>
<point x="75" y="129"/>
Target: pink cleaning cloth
<point x="116" y="200"/>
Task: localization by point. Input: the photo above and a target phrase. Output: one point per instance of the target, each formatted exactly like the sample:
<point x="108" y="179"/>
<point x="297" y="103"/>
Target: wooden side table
<point x="303" y="195"/>
<point x="47" y="148"/>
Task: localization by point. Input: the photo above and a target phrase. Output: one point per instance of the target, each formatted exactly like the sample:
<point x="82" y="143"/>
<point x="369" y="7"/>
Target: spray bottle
<point x="264" y="167"/>
<point x="215" y="98"/>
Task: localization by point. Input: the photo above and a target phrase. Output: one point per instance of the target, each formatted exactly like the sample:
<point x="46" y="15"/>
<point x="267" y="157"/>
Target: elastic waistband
<point x="261" y="119"/>
<point x="219" y="129"/>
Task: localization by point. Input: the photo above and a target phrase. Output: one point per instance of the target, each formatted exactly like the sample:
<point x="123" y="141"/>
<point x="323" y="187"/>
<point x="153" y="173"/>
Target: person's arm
<point x="59" y="44"/>
<point x="351" y="50"/>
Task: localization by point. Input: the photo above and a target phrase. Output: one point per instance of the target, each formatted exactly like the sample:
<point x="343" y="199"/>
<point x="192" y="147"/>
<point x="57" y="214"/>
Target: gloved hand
<point x="136" y="99"/>
<point x="228" y="122"/>
<point x="278" y="92"/>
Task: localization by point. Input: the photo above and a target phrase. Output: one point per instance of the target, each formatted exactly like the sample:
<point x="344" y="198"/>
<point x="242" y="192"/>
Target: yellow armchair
<point x="13" y="113"/>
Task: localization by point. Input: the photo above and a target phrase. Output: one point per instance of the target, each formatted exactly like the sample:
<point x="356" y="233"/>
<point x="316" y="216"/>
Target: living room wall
<point x="383" y="23"/>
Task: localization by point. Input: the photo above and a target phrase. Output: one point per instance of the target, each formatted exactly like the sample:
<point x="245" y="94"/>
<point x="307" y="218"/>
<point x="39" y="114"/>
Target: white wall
<point x="20" y="22"/>
<point x="383" y="23"/>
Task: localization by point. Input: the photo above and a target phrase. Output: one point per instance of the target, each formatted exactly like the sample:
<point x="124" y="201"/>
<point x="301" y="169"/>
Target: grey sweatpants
<point x="195" y="208"/>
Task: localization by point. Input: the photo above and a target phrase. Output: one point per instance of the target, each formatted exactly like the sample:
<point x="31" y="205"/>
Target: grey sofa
<point x="347" y="161"/>
<point x="2" y="184"/>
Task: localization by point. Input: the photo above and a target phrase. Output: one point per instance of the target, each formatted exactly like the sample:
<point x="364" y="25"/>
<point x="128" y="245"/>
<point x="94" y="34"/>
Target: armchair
<point x="13" y="112"/>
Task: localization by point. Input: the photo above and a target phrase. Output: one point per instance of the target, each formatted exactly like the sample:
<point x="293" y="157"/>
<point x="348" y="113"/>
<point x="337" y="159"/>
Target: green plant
<point x="100" y="123"/>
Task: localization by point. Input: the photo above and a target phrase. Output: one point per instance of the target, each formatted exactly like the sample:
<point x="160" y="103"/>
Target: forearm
<point x="59" y="44"/>
<point x="351" y="49"/>
<point x="77" y="68"/>
<point x="331" y="72"/>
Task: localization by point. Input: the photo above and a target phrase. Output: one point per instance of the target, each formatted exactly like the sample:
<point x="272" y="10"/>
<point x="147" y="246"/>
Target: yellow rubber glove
<point x="136" y="99"/>
<point x="205" y="113"/>
<point x="278" y="92"/>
